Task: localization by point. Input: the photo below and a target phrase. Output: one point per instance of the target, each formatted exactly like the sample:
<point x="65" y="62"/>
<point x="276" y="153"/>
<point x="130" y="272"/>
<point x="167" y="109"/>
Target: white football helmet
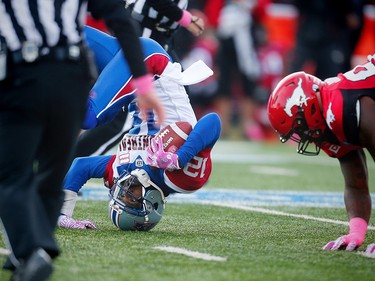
<point x="136" y="203"/>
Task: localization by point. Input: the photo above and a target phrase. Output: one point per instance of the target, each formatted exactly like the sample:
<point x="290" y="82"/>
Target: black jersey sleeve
<point x="167" y="8"/>
<point x="125" y="30"/>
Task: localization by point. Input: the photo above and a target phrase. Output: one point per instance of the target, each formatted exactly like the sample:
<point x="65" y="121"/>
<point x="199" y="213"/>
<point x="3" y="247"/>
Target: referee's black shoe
<point x="38" y="267"/>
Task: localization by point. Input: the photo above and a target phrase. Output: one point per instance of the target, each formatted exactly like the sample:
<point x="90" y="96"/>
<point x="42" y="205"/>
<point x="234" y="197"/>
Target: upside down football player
<point x="184" y="170"/>
<point x="143" y="176"/>
<point x="336" y="115"/>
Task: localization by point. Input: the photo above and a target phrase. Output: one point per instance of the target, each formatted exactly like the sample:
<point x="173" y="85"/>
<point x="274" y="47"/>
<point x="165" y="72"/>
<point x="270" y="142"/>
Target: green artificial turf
<point x="255" y="245"/>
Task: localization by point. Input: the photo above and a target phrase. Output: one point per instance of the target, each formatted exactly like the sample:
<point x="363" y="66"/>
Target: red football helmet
<point x="294" y="111"/>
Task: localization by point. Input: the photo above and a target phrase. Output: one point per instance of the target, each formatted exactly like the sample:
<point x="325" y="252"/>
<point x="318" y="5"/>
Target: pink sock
<point x="358" y="228"/>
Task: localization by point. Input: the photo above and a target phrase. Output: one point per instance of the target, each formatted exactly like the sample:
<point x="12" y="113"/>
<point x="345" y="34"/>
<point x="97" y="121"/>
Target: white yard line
<point x="192" y="254"/>
<point x="4" y="252"/>
<point x="279" y="213"/>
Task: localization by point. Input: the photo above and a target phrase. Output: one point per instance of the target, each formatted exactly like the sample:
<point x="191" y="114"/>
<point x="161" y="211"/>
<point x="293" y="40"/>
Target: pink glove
<point x="353" y="240"/>
<point x="157" y="157"/>
<point x="370" y="249"/>
<point x="68" y="222"/>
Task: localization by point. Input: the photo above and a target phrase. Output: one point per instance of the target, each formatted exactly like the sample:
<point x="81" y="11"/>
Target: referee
<point x="45" y="78"/>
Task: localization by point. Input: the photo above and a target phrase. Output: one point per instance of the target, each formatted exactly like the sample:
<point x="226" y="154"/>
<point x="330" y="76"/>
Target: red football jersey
<point x="341" y="109"/>
<point x="193" y="176"/>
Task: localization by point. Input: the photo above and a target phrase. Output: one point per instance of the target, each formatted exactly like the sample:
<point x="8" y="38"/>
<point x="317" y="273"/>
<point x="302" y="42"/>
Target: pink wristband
<point x="186" y="18"/>
<point x="143" y="84"/>
<point x="358" y="226"/>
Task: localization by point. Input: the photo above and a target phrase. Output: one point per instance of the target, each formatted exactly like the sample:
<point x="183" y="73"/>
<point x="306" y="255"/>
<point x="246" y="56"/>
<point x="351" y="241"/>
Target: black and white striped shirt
<point x="157" y="15"/>
<point x="51" y="23"/>
<point x="46" y="24"/>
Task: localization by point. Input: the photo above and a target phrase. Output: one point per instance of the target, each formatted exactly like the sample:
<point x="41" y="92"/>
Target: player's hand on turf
<point x="370" y="249"/>
<point x="157" y="157"/>
<point x="68" y="222"/>
<point x="88" y="224"/>
<point x="348" y="242"/>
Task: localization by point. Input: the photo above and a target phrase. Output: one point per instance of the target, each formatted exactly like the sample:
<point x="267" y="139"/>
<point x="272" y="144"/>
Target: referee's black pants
<point x="42" y="107"/>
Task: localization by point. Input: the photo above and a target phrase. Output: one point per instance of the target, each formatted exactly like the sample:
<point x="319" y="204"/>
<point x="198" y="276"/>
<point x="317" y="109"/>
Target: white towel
<point x="194" y="74"/>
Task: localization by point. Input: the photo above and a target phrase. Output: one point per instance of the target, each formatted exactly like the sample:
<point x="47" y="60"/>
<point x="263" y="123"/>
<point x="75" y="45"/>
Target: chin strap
<point x="161" y="192"/>
<point x="145" y="180"/>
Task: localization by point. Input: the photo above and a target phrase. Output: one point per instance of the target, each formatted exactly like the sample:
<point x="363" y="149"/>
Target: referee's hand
<point x="146" y="97"/>
<point x="149" y="101"/>
<point x="196" y="27"/>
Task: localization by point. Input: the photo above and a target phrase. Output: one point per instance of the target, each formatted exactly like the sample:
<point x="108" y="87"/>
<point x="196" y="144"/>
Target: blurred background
<point x="252" y="44"/>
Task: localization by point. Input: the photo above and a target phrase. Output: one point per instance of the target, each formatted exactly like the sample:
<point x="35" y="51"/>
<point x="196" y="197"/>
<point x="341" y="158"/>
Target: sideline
<point x="243" y="197"/>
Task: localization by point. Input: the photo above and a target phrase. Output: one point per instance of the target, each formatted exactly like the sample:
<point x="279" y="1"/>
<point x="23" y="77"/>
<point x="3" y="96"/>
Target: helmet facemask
<point x="136" y="203"/>
<point x="124" y="195"/>
<point x="303" y="136"/>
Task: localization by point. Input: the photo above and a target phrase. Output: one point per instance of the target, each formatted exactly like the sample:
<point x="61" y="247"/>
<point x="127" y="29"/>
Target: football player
<point x="337" y="116"/>
<point x="184" y="171"/>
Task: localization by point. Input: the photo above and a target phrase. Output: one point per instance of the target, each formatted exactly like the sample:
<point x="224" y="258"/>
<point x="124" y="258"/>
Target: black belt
<point x="30" y="53"/>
